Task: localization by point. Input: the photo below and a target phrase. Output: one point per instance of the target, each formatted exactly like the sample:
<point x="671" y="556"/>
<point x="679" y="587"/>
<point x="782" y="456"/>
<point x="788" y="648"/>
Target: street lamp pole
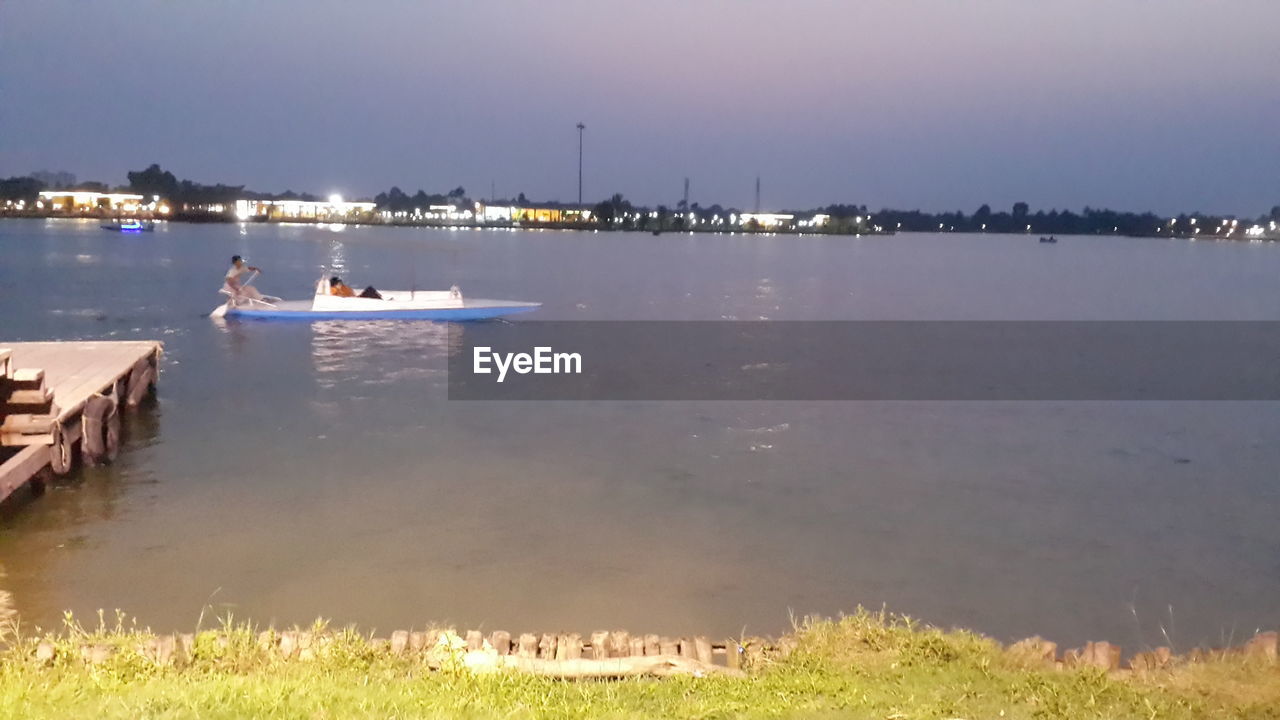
<point x="581" y="127"/>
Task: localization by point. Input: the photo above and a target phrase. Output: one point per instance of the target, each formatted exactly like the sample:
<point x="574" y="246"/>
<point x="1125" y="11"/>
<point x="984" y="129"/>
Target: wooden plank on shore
<point x="659" y="666"/>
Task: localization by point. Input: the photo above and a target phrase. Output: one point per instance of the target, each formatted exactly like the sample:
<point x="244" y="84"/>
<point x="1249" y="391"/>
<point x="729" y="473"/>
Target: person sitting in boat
<point x="237" y="286"/>
<point x="341" y="289"/>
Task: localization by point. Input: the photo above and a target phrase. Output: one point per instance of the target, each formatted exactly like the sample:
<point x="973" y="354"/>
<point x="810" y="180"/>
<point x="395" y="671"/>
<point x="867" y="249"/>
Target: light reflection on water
<point x="291" y="470"/>
<point x="378" y="352"/>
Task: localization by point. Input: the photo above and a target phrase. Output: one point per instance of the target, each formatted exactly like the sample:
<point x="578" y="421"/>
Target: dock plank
<point x="17" y="470"/>
<point x="73" y="372"/>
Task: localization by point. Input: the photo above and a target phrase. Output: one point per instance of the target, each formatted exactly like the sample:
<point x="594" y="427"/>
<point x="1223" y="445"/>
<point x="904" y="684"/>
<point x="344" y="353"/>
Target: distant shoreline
<point x="206" y="218"/>
<point x="202" y="219"/>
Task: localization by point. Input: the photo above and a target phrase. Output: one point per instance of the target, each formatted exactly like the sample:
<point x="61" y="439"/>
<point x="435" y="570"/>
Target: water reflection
<point x="337" y="257"/>
<point x="233" y="334"/>
<point x="379" y="352"/>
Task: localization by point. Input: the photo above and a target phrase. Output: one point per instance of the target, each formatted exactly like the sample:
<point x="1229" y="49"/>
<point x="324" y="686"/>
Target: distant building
<point x="533" y="213"/>
<point x="334" y="209"/>
<point x="77" y="201"/>
<point x="767" y="221"/>
<point x="550" y="213"/>
<point x="496" y="213"/>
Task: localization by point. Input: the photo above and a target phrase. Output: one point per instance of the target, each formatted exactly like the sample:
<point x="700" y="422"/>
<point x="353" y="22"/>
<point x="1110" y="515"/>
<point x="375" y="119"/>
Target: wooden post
<point x="637" y="646"/>
<point x="1100" y="654"/>
<point x="667" y="646"/>
<point x="306" y="646"/>
<point x="686" y="648"/>
<point x="399" y="642"/>
<point x="288" y="643"/>
<point x="651" y="645"/>
<point x="475" y="640"/>
<point x="188" y="643"/>
<point x="702" y="650"/>
<point x="1036" y="649"/>
<point x="501" y="641"/>
<point x="417" y="641"/>
<point x="1264" y="646"/>
<point x="619" y="644"/>
<point x="547" y="647"/>
<point x="528" y="646"/>
<point x="572" y="646"/>
<point x="267" y="640"/>
<point x="599" y="645"/>
<point x="562" y="647"/>
<point x="732" y="654"/>
<point x="46" y="652"/>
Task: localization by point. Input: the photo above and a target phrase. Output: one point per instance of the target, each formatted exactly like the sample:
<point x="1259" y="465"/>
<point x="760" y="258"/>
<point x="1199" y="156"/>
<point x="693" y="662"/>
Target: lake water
<point x="296" y="470"/>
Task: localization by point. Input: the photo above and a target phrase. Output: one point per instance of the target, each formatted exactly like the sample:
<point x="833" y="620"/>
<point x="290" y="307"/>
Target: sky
<point x="1162" y="105"/>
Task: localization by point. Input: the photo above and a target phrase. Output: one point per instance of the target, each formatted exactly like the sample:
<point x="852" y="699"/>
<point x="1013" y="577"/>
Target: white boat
<point x="394" y="304"/>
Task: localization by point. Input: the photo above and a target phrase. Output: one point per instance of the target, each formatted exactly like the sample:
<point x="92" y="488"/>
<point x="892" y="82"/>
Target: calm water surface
<point x="296" y="470"/>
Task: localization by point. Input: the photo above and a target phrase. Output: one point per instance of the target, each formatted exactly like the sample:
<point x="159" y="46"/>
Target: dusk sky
<point x="934" y="104"/>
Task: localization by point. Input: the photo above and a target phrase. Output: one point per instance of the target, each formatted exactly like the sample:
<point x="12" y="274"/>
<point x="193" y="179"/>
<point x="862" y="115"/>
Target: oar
<point x="246" y="283"/>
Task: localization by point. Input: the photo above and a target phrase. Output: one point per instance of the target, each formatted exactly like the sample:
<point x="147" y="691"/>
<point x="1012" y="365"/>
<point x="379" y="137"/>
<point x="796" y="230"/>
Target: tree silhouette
<point x="153" y="181"/>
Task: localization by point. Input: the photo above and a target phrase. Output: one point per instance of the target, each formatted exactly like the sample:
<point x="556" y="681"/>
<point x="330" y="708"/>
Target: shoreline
<point x="458" y="225"/>
<point x="591" y="227"/>
<point x="861" y="665"/>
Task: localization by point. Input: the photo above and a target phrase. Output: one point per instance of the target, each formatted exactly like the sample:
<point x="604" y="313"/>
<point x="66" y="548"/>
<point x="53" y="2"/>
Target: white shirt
<point x="235" y="272"/>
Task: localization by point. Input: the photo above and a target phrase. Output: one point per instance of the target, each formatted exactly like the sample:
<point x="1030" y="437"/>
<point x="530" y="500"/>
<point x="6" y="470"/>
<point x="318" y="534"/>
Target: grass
<point x="866" y="665"/>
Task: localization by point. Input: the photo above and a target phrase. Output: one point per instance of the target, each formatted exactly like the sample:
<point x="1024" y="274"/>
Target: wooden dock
<point x="62" y="400"/>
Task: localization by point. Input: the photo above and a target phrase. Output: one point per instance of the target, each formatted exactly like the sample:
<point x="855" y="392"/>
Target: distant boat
<point x="129" y="226"/>
<point x="1050" y="239"/>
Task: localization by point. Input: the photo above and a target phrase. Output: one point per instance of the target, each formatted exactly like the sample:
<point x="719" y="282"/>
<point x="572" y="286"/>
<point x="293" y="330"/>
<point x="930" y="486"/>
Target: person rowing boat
<point x="238" y="288"/>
